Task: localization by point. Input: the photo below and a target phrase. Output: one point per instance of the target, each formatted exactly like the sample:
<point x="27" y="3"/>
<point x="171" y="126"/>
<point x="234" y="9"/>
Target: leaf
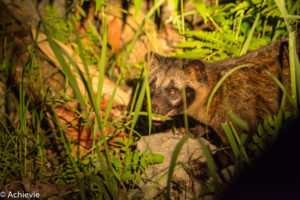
<point x="135" y="161"/>
<point x="210" y="36"/>
<point x="258" y="141"/>
<point x="240" y="7"/>
<point x="128" y="159"/>
<point x="260" y="130"/>
<point x="191" y="44"/>
<point x="267" y="127"/>
<point x="194" y="53"/>
<point x="143" y="162"/>
<point x="271" y="121"/>
<point x="210" y="164"/>
<point x="201" y="8"/>
<point x="154" y="158"/>
<point x="117" y="163"/>
<point x="114" y="34"/>
<point x="98" y="4"/>
<point x="137" y="7"/>
<point x="250" y="35"/>
<point x="230" y="137"/>
<point x="256" y="1"/>
<point x="128" y="176"/>
<point x="244" y="137"/>
<point x="239" y="121"/>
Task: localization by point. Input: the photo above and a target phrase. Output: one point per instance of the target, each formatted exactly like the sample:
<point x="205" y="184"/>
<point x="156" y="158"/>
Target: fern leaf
<point x="209" y="36"/>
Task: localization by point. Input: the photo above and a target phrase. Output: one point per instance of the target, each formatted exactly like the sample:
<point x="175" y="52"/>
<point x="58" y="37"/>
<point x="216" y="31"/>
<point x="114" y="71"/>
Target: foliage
<point x="113" y="173"/>
<point x="23" y="138"/>
<point x="135" y="164"/>
<point x="239" y="27"/>
<point x="61" y="28"/>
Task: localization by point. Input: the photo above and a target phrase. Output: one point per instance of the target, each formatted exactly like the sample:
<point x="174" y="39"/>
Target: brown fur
<point x="249" y="92"/>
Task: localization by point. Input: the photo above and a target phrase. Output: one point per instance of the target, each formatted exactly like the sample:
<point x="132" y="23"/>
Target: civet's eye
<point x="172" y="92"/>
<point x="152" y="85"/>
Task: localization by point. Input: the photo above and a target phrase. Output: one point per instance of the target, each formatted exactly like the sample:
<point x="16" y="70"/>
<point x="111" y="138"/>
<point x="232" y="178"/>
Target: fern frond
<point x="214" y="37"/>
<point x="258" y="42"/>
<point x="194" y="53"/>
<point x="190" y="44"/>
<point x="271" y="11"/>
<point x="231" y="39"/>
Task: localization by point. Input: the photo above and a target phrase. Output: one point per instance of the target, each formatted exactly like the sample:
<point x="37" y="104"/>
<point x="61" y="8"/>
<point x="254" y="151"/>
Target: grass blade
<point x="230" y="137"/>
<point x="250" y="34"/>
<point x="59" y="52"/>
<point x="173" y="162"/>
<point x="210" y="163"/>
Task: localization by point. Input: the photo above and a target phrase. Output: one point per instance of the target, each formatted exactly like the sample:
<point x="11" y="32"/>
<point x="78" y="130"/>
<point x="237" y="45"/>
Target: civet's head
<point x="167" y="79"/>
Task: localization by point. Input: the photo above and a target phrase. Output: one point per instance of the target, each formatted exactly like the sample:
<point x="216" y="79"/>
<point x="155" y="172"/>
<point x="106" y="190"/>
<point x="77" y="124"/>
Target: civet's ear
<point x="153" y="59"/>
<point x="195" y="69"/>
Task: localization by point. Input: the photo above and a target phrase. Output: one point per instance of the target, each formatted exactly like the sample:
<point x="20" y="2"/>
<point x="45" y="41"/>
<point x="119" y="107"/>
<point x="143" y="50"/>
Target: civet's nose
<point x="155" y="109"/>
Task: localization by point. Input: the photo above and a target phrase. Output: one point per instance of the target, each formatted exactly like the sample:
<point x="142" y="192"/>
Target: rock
<point x="24" y="11"/>
<point x="156" y="175"/>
